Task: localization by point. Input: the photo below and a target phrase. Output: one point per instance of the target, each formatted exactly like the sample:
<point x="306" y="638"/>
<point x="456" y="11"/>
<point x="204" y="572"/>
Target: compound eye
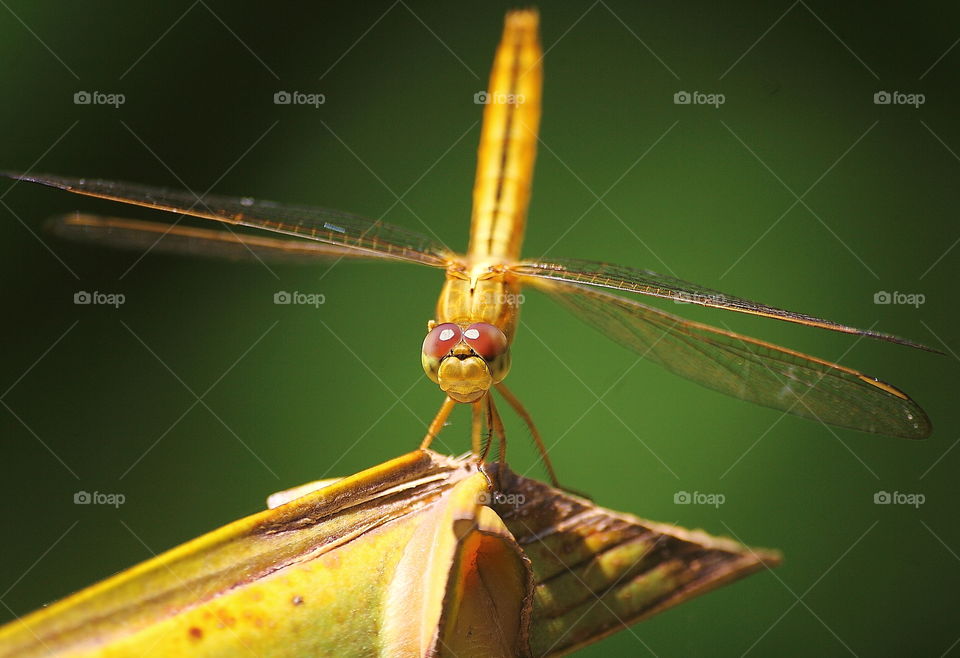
<point x="441" y="339"/>
<point x="486" y="340"/>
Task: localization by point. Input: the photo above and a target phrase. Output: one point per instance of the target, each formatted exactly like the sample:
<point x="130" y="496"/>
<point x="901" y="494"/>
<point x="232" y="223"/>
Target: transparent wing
<point x="320" y="224"/>
<point x="746" y="368"/>
<point x="645" y="282"/>
<point x="193" y="241"/>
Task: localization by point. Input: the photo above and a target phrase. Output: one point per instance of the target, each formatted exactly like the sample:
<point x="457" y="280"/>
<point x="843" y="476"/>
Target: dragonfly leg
<point x="498" y="431"/>
<point x="438" y="422"/>
<point x="515" y="403"/>
<point x="488" y="435"/>
<point x="476" y="427"/>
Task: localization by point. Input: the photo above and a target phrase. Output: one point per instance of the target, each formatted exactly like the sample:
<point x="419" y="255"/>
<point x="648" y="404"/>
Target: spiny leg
<point x="476" y="426"/>
<point x="438" y="422"/>
<point x="498" y="431"/>
<point x="515" y="403"/>
<point x="488" y="437"/>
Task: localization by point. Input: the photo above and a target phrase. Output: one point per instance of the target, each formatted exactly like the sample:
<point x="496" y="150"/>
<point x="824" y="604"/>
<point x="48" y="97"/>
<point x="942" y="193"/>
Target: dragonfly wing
<point x="194" y="241"/>
<point x="745" y="367"/>
<point x="319" y="224"/>
<point x="645" y="282"/>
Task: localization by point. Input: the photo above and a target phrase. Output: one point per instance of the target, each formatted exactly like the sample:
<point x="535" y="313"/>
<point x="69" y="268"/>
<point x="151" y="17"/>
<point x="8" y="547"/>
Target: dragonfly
<point x="467" y="348"/>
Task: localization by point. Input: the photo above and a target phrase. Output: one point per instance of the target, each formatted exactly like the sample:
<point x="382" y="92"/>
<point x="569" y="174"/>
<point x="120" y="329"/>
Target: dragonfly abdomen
<point x="508" y="142"/>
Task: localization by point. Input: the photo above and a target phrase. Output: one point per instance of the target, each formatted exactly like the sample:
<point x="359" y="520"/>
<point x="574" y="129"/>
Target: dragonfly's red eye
<point x="441" y="339"/>
<point x="486" y="340"/>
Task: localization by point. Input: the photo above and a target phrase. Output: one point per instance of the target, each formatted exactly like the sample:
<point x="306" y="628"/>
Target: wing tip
<point x="891" y="338"/>
<point x="49" y="180"/>
<point x="922" y="425"/>
<point x="923" y="428"/>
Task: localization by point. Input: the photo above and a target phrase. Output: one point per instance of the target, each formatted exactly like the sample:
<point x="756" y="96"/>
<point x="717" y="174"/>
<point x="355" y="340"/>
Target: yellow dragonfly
<point x="467" y="347"/>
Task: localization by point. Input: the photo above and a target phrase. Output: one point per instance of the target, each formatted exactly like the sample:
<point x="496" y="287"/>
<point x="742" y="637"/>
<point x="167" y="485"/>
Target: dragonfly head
<point x="465" y="360"/>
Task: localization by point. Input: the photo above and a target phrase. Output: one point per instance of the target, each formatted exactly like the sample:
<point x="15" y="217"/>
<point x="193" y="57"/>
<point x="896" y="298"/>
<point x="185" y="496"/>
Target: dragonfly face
<point x="465" y="360"/>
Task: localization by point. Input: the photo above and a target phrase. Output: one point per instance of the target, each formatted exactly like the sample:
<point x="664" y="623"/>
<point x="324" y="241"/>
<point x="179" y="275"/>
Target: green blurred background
<point x="300" y="393"/>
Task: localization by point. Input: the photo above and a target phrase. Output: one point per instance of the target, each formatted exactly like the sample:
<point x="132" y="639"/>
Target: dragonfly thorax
<point x="492" y="296"/>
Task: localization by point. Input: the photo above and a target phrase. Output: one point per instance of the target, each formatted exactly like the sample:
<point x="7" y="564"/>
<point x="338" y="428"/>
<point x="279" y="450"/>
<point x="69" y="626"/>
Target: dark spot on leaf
<point x="297" y="600"/>
<point x="196" y="633"/>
